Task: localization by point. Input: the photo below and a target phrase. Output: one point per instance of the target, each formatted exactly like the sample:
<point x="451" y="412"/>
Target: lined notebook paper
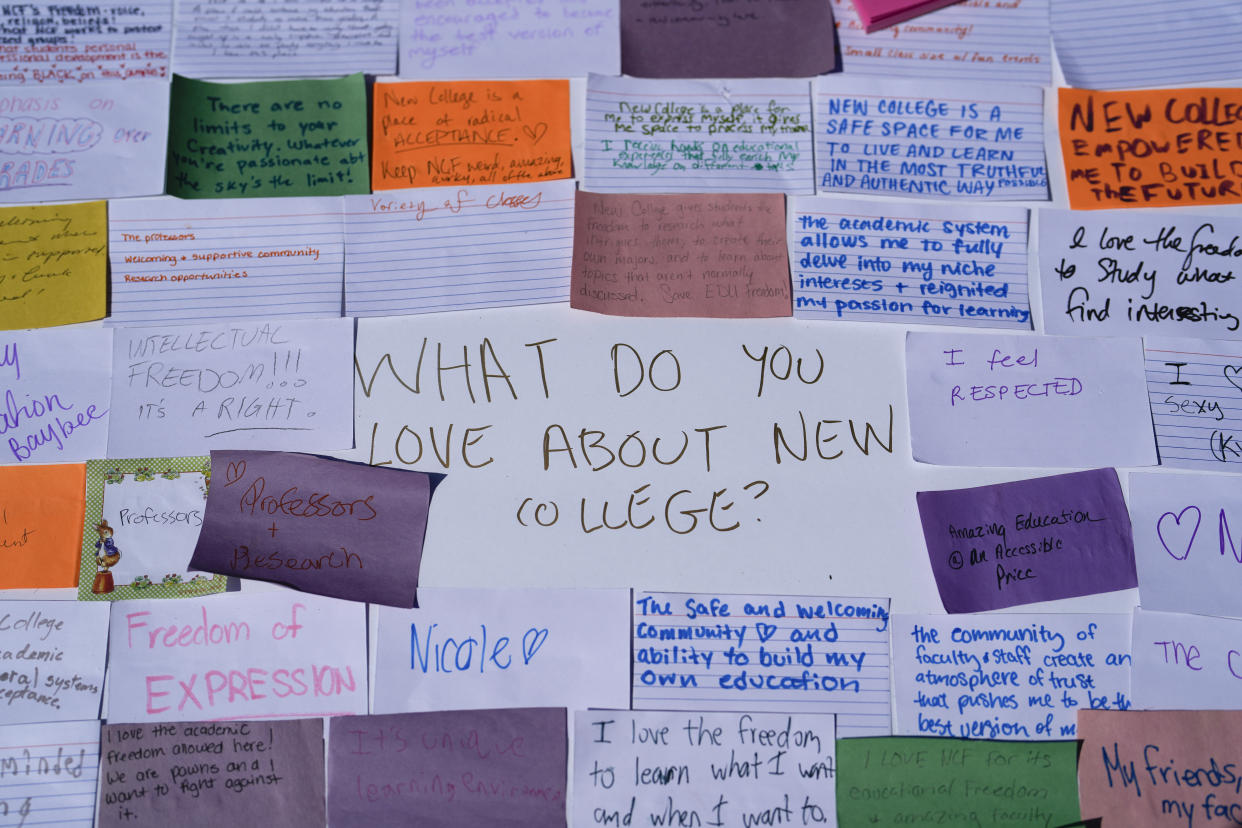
<point x="458" y="248"/>
<point x="289" y="39"/>
<point x="50" y="772"/>
<point x="772" y="653"/>
<point x="454" y="39"/>
<point x="696" y="136"/>
<point x="181" y="261"/>
<point x="879" y="261"/>
<point x="979" y="40"/>
<point x="1112" y="44"/>
<point x="1195" y="387"/>
<point x="930" y="139"/>
<point x="68" y="43"/>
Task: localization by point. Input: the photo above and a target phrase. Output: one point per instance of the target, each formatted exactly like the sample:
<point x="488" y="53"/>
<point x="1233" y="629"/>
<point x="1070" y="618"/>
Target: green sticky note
<point x="268" y="139"/>
<point x="894" y="780"/>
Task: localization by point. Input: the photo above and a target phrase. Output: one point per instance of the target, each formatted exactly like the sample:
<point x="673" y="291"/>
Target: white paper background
<point x="332" y="638"/>
<point x="566" y="648"/>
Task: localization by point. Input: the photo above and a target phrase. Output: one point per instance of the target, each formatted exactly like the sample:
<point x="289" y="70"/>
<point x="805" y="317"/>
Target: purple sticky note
<point x="454" y="769"/>
<point x="211" y="774"/>
<point x="347" y="530"/>
<point x="763" y="39"/>
<point x="1030" y="540"/>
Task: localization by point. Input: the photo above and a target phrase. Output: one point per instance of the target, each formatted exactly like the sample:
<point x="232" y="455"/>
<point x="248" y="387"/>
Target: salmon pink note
<point x="721" y="256"/>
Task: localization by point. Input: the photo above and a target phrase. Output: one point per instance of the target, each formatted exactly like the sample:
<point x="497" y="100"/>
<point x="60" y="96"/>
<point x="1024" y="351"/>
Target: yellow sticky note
<point x="53" y="264"/>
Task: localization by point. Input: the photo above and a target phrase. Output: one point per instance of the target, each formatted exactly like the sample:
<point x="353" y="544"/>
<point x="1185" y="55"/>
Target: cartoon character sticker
<point x="107" y="554"/>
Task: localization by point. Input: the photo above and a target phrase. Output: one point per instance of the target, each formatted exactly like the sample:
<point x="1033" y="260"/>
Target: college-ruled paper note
<point x="930" y="139"/>
<point x="1040" y="401"/>
<point x="978" y="40"/>
<point x="260" y="384"/>
<point x="293" y="38"/>
<point x="1113" y="44"/>
<point x="1195" y="390"/>
<point x="695" y="136"/>
<point x="103" y="140"/>
<point x="559" y="39"/>
<point x="69" y="43"/>
<point x="458" y="248"/>
<point x="51" y="770"/>
<point x="770" y="653"/>
<point x="182" y="261"/>
<point x="878" y="261"/>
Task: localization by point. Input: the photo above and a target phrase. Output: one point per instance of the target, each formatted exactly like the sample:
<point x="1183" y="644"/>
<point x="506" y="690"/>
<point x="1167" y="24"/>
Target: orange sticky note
<point x="41" y="514"/>
<point x="433" y="134"/>
<point x="1151" y="148"/>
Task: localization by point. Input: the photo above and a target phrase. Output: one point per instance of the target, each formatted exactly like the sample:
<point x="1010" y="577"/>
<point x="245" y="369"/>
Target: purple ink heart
<point x="1232" y="380"/>
<point x="1177" y="519"/>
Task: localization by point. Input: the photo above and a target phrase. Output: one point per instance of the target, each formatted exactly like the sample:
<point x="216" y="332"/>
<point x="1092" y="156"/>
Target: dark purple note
<point x="212" y="774"/>
<point x="756" y="39"/>
<point x="454" y="769"/>
<point x="1030" y="540"/>
<point x="347" y="530"/>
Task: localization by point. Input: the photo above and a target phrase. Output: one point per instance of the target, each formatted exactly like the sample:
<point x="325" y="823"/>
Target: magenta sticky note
<point x="1030" y="540"/>
<point x="346" y="530"/>
<point x="449" y="769"/>
<point x="880" y="14"/>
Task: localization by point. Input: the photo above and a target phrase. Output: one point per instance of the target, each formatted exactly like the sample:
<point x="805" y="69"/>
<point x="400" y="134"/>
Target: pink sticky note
<point x="707" y="255"/>
<point x="880" y="14"/>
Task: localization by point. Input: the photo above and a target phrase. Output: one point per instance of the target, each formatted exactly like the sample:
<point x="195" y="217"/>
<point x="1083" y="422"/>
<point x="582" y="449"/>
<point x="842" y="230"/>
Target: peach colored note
<point x="707" y="255"/>
<point x="41" y="525"/>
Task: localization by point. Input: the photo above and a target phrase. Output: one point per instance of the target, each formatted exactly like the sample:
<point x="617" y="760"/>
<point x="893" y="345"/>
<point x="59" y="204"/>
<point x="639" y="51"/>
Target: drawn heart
<point x="1232" y="380"/>
<point x="532" y="640"/>
<point x="765" y="631"/>
<point x="1177" y="521"/>
<point x="535" y="134"/>
<point x="234" y="471"/>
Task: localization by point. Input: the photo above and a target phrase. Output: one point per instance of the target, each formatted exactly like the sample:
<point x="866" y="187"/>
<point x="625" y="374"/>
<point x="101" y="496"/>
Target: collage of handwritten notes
<point x="556" y="413"/>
